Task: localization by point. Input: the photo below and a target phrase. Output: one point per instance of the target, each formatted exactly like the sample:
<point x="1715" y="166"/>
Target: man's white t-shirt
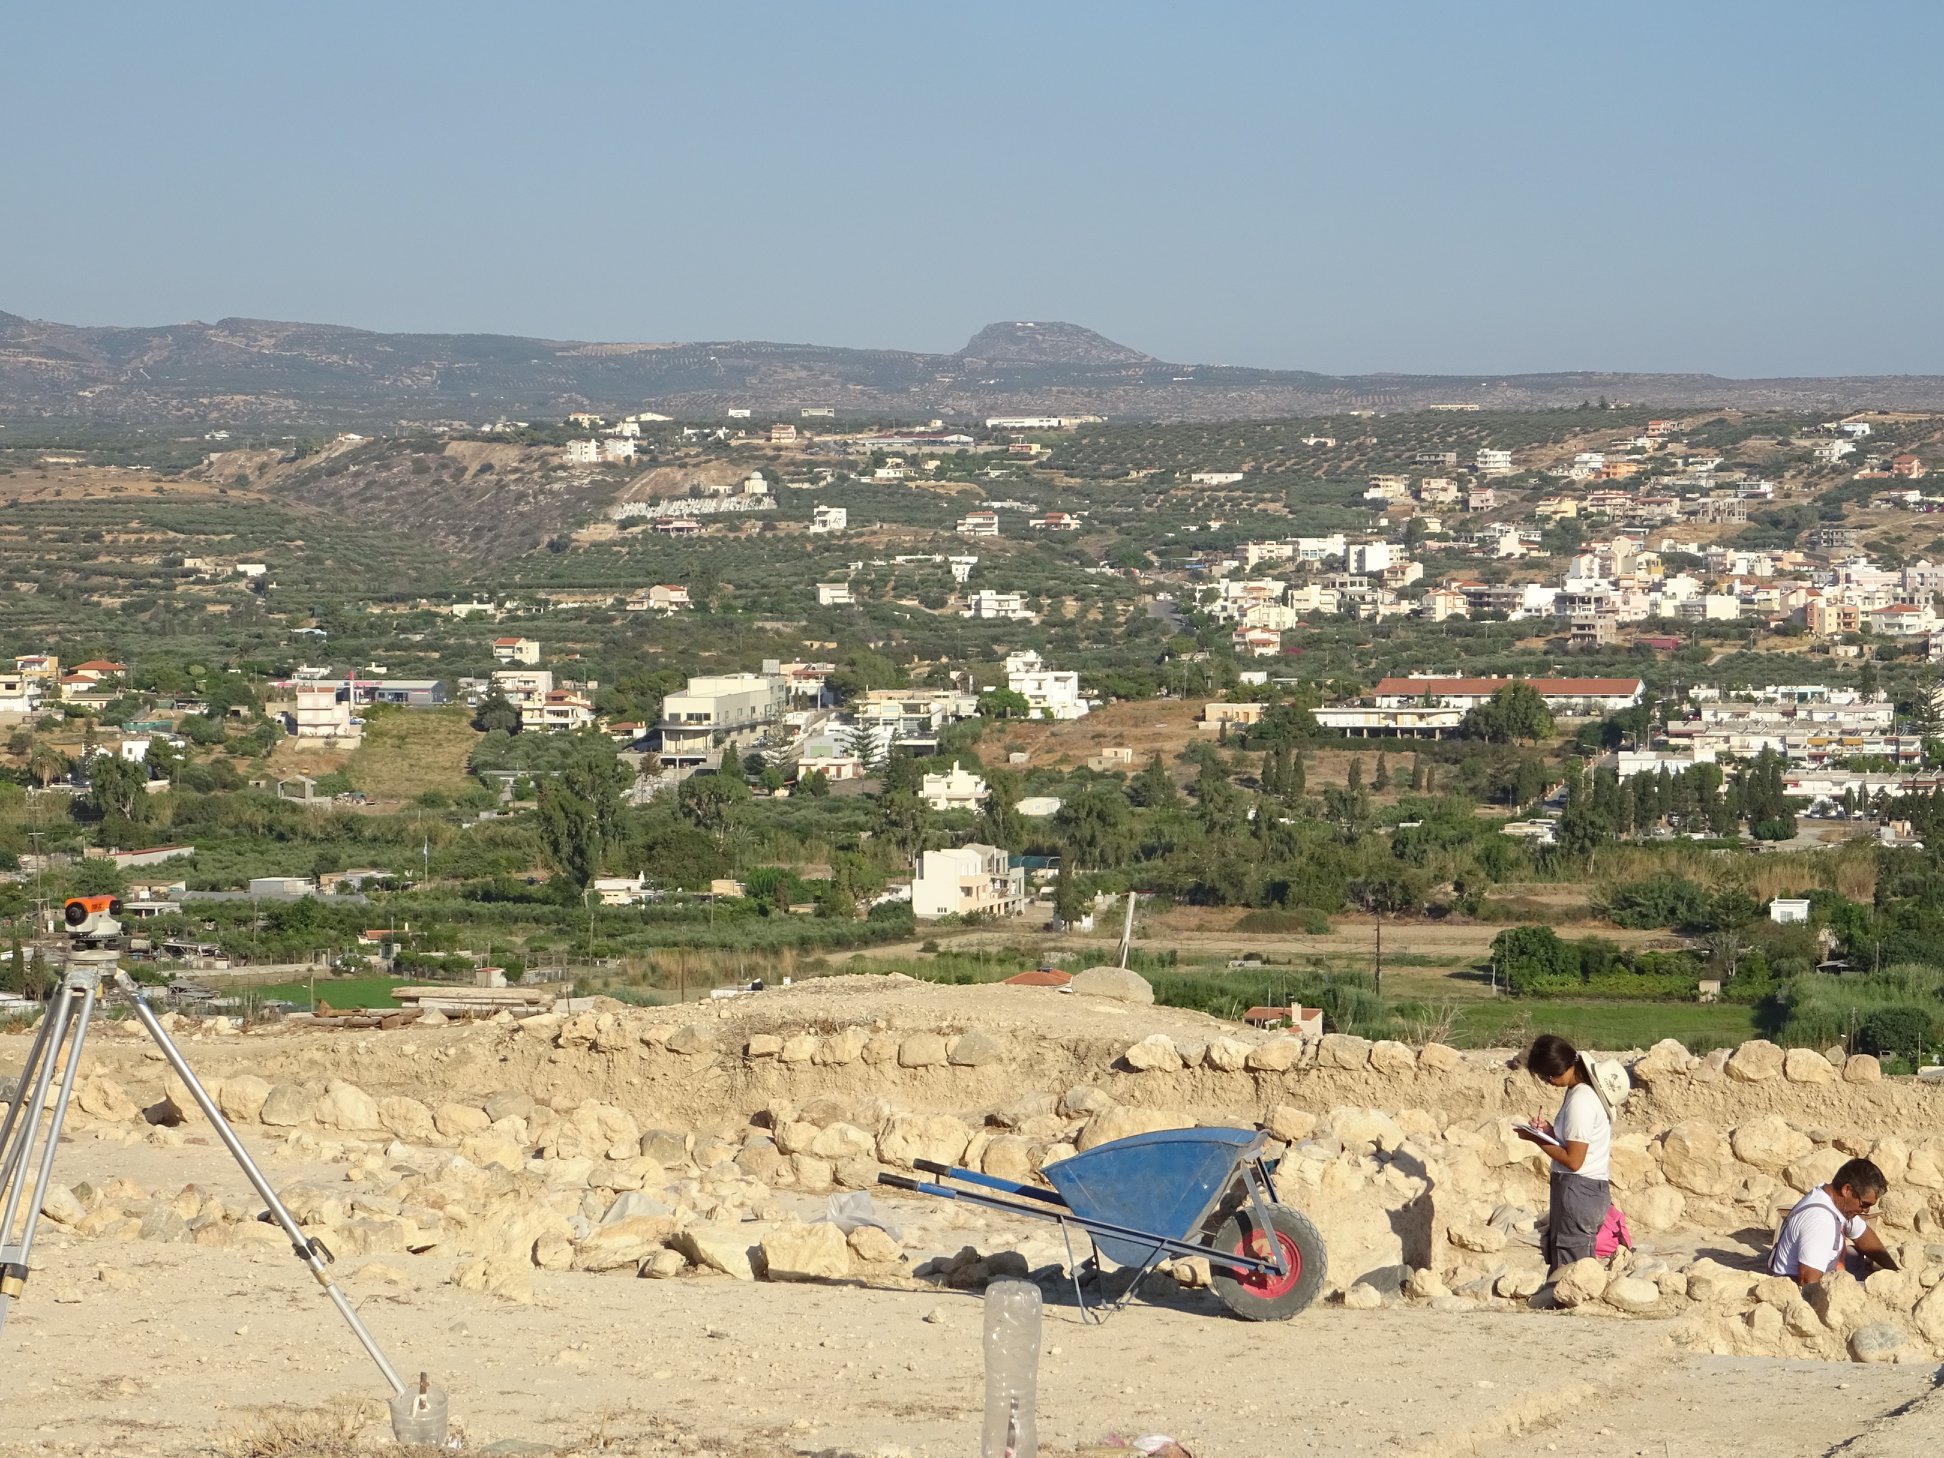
<point x="1583" y="1120"/>
<point x="1812" y="1235"/>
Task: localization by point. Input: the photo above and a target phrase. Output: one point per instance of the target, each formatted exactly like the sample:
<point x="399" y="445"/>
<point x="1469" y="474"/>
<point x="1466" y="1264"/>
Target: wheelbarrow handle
<point x="899" y="1182"/>
<point x="931" y="1166"/>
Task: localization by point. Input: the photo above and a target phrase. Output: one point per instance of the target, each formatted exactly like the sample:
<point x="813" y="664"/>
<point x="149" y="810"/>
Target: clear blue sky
<point x="1751" y="189"/>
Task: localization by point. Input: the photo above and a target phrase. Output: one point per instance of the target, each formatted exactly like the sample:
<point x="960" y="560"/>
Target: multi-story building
<point x="583" y="452"/>
<point x="1051" y="693"/>
<point x="979" y="524"/>
<point x="829" y="519"/>
<point x="835" y="594"/>
<point x="523" y="685"/>
<point x="721" y="704"/>
<point x="971" y="880"/>
<point x="516" y="650"/>
<point x="991" y="606"/>
<point x="322" y="720"/>
<point x="559" y="711"/>
<point x="1491" y="462"/>
<point x="958" y="789"/>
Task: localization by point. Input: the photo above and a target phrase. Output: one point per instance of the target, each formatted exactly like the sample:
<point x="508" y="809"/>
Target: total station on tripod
<point x="94" y="921"/>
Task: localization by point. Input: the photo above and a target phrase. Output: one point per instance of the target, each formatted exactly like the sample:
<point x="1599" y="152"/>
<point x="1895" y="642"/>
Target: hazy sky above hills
<point x="1741" y="188"/>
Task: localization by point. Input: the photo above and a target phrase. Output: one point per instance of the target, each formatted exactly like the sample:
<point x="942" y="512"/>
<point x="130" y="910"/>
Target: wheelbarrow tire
<point x="1256" y="1296"/>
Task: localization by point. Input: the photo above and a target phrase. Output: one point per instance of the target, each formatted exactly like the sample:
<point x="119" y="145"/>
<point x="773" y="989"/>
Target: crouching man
<point x="1827" y="1225"/>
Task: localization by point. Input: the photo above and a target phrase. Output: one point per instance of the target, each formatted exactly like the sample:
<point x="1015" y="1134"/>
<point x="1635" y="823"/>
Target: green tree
<point x="710" y="802"/>
<point x="1004" y="703"/>
<point x="1516" y="714"/>
<point x="496" y="711"/>
<point x="1154" y="788"/>
<point x="1095" y="827"/>
<point x="118" y="788"/>
<point x="1068" y="902"/>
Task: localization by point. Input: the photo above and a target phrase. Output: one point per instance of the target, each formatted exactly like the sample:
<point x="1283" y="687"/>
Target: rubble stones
<point x="1112" y="982"/>
<point x="1518" y="1285"/>
<point x="241" y="1098"/>
<point x="1656" y="1208"/>
<point x="1155" y="1053"/>
<point x="907" y="1138"/>
<point x="762" y="1045"/>
<point x="1666" y="1060"/>
<point x="798" y="1048"/>
<point x="508" y="1279"/>
<point x="1711" y="1282"/>
<point x="406" y="1118"/>
<point x="1695" y="1158"/>
<point x="510" y="1105"/>
<point x="1755" y="1061"/>
<point x="874" y="1246"/>
<point x="719" y="1246"/>
<point x="842" y="1048"/>
<point x="459" y="1121"/>
<point x="1861" y="1068"/>
<point x="286" y="1105"/>
<point x="624" y="1244"/>
<point x="1363" y="1298"/>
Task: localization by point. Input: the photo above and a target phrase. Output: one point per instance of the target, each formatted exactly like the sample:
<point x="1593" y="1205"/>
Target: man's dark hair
<point x="1549" y="1056"/>
<point x="1860" y="1177"/>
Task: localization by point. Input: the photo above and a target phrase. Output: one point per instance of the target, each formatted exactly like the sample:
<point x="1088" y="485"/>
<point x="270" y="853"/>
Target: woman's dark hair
<point x="1549" y="1056"/>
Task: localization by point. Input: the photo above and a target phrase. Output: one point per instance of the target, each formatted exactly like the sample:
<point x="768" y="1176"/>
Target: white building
<point x="1025" y="422"/>
<point x="1214" y="478"/>
<point x="979" y="524"/>
<point x="834" y="594"/>
<point x="618" y="450"/>
<point x="718" y="704"/>
<point x="1789" y="909"/>
<point x="516" y="650"/>
<point x="1491" y="462"/>
<point x="987" y="605"/>
<point x="1371" y="557"/>
<point x="560" y="711"/>
<point x="323" y="721"/>
<point x="829" y="519"/>
<point x="583" y="452"/>
<point x="970" y="880"/>
<point x="958" y="789"/>
<point x="524" y="685"/>
<point x="1051" y="693"/>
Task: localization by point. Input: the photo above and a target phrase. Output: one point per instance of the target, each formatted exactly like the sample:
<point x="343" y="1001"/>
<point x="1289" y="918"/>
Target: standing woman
<point x="1580" y="1149"/>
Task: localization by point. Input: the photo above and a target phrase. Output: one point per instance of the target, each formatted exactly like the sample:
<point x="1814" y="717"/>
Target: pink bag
<point x="1613" y="1233"/>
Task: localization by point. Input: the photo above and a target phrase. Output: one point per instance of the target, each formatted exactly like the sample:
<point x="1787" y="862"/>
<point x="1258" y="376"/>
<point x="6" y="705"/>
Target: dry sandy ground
<point x="184" y="1346"/>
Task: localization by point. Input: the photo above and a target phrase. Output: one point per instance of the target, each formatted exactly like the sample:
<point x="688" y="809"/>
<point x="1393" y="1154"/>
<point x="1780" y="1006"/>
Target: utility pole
<point x="1377" y="963"/>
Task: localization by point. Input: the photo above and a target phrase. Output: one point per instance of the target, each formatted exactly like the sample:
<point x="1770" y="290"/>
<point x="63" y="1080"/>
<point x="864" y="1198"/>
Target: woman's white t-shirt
<point x="1583" y="1120"/>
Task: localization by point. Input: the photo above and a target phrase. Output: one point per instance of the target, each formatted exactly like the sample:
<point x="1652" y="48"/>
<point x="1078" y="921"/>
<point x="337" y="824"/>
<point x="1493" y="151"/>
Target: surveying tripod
<point x="27" y="1151"/>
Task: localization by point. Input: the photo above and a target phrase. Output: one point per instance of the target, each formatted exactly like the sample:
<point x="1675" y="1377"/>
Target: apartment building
<point x="971" y="880"/>
<point x="725" y="704"/>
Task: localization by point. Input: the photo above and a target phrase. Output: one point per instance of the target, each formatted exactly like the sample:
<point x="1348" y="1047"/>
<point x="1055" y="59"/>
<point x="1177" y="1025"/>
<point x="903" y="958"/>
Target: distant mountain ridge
<point x="239" y="371"/>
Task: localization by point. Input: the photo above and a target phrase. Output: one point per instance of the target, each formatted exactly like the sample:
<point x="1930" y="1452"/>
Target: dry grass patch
<point x="409" y="751"/>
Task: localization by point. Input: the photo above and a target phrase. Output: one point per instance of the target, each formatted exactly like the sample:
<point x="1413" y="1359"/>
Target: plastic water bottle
<point x="1012" y="1345"/>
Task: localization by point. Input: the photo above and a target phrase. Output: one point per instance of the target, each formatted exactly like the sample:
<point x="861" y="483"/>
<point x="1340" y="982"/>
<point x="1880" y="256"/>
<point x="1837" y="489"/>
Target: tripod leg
<point x="19" y="1099"/>
<point x="311" y="1252"/>
<point x="13" y="1258"/>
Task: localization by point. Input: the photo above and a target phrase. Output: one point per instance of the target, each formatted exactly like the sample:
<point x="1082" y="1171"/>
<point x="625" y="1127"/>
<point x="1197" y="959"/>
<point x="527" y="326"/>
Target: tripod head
<point x="94" y="923"/>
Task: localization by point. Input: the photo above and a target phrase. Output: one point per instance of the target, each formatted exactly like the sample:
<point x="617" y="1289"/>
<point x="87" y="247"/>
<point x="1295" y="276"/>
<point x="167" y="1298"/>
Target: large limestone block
<point x="1879" y="1341"/>
<point x="1008" y="1157"/>
<point x="1290" y="1124"/>
<point x="1755" y="1061"/>
<point x="1121" y="1122"/>
<point x="346" y="1106"/>
<point x="1806" y="1065"/>
<point x="880" y="1048"/>
<point x="841" y="1141"/>
<point x="1366" y="1129"/>
<point x="460" y="1121"/>
<point x="798" y="1048"/>
<point x="507" y="1278"/>
<point x="975" y="1049"/>
<point x="1389" y="1056"/>
<point x="806" y="1253"/>
<point x="1891" y="1155"/>
<point x="1714" y="1284"/>
<point x="1112" y="982"/>
<point x="1155" y="1053"/>
<point x="1439" y="1058"/>
<point x="408" y="1119"/>
<point x="908" y="1138"/>
<point x="921" y="1050"/>
<point x="1862" y="1068"/>
<point x="1278" y="1055"/>
<point x="725" y="1246"/>
<point x="841" y="1048"/>
<point x="1340" y="1050"/>
<point x="762" y="1045"/>
<point x="1581" y="1282"/>
<point x="1696" y="1158"/>
<point x="693" y="1040"/>
<point x="1226" y="1055"/>
<point x="241" y="1100"/>
<point x="1657" y="1208"/>
<point x="1814" y="1169"/>
<point x="1667" y="1060"/>
<point x="1770" y="1143"/>
<point x="1632" y="1293"/>
<point x="625" y="1243"/>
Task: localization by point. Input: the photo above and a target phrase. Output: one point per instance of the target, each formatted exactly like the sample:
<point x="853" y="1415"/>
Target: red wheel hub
<point x="1267" y="1284"/>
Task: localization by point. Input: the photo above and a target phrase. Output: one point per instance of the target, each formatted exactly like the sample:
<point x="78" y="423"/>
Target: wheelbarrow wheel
<point x="1263" y="1295"/>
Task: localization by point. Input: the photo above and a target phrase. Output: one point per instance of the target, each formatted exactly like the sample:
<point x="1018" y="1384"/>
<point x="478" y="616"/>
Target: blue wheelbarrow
<point x="1180" y="1192"/>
